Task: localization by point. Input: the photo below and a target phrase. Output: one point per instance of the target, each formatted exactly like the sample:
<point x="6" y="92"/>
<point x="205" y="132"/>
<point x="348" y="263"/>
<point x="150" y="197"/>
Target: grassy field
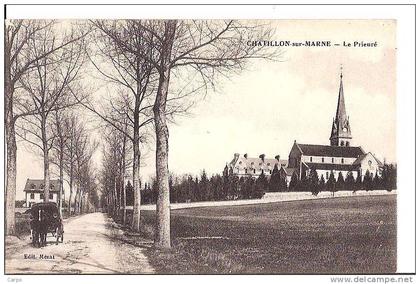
<point x="340" y="235"/>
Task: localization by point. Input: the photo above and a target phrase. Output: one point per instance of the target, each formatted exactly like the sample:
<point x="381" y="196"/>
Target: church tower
<point x="340" y="131"/>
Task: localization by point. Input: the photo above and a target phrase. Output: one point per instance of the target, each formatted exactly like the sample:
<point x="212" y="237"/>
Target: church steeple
<point x="340" y="131"/>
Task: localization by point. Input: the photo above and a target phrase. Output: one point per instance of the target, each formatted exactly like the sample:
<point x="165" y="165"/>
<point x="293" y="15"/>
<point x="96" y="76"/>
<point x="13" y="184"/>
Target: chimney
<point x="277" y="157"/>
<point x="246" y="156"/>
<point x="262" y="157"/>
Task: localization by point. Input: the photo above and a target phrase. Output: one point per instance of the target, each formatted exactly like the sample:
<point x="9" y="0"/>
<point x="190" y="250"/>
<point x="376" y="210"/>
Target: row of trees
<point x="315" y="184"/>
<point x="155" y="69"/>
<point x="43" y="67"/>
<point x="231" y="187"/>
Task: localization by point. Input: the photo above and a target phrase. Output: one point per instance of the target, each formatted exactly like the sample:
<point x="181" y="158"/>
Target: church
<point x="339" y="156"/>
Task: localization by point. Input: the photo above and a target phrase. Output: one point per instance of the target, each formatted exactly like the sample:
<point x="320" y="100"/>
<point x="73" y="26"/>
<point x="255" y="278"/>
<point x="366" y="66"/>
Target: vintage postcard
<point x="201" y="146"/>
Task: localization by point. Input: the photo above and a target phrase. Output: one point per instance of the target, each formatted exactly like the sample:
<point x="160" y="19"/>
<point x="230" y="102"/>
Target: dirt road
<point x="92" y="244"/>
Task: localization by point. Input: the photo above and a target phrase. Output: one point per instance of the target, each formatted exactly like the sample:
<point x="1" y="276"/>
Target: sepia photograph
<point x="201" y="146"/>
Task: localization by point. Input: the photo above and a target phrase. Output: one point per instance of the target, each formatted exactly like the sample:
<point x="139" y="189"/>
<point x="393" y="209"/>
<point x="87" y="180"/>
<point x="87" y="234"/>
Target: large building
<point x="339" y="156"/>
<point x="34" y="191"/>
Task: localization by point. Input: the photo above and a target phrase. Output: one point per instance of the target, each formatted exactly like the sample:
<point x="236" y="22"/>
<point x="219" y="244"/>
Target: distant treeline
<point x="230" y="187"/>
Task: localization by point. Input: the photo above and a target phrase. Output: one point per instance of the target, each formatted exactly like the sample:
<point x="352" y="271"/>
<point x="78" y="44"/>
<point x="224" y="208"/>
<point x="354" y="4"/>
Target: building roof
<point x="256" y="163"/>
<point x="37" y="185"/>
<point x="330" y="151"/>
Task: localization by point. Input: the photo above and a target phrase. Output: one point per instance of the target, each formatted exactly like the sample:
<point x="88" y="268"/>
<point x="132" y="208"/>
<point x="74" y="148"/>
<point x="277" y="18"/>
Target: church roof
<point x="330" y="151"/>
<point x="37" y="185"/>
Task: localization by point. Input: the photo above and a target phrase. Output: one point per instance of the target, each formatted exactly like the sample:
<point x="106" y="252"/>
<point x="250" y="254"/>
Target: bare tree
<point x="120" y="46"/>
<point x="18" y="60"/>
<point x="206" y="48"/>
<point x="61" y="120"/>
<point x="48" y="88"/>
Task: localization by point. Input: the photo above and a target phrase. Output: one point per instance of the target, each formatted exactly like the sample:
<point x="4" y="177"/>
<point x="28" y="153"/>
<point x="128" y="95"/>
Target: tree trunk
<point x="11" y="149"/>
<point x="46" y="176"/>
<point x="60" y="203"/>
<point x="136" y="164"/>
<point x="10" y="177"/>
<point x="123" y="190"/>
<point x="136" y="184"/>
<point x="46" y="159"/>
<point x="162" y="237"/>
<point x="71" y="192"/>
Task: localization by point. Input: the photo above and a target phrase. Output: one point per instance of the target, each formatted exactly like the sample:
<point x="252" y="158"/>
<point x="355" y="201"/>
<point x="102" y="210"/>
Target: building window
<point x="32" y="196"/>
<point x="262" y="171"/>
<point x="332" y="160"/>
<point x="41" y="196"/>
<point x="347" y="143"/>
<point x="310" y="159"/>
<point x="270" y="172"/>
<point x="33" y="186"/>
<point x="342" y="143"/>
<point x="254" y="171"/>
<point x="246" y="170"/>
<point x="342" y="160"/>
<point x="51" y="196"/>
<point x="327" y="175"/>
<point x="322" y="159"/>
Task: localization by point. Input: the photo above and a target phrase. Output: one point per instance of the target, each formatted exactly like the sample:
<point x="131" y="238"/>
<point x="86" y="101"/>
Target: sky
<point x="272" y="103"/>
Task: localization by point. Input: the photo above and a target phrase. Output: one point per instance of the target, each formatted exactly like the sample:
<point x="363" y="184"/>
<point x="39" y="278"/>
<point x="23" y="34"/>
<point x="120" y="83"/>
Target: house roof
<point x="330" y="151"/>
<point x="256" y="163"/>
<point x="37" y="185"/>
<point x="329" y="167"/>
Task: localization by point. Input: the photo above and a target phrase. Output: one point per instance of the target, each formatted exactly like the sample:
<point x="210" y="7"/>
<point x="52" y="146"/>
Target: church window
<point x="254" y="171"/>
<point x="310" y="159"/>
<point x="322" y="159"/>
<point x="246" y="170"/>
<point x="270" y="172"/>
<point x="347" y="143"/>
<point x="262" y="171"/>
<point x="342" y="143"/>
<point x="342" y="160"/>
<point x="332" y="160"/>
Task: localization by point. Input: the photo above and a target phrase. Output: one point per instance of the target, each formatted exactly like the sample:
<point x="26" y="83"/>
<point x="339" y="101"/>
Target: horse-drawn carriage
<point x="46" y="218"/>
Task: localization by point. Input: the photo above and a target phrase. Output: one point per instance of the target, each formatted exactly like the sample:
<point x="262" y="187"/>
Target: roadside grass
<point x="339" y="235"/>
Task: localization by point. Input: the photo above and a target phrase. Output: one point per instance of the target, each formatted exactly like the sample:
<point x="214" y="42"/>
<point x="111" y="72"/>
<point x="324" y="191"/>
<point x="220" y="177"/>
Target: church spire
<point x="340" y="131"/>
